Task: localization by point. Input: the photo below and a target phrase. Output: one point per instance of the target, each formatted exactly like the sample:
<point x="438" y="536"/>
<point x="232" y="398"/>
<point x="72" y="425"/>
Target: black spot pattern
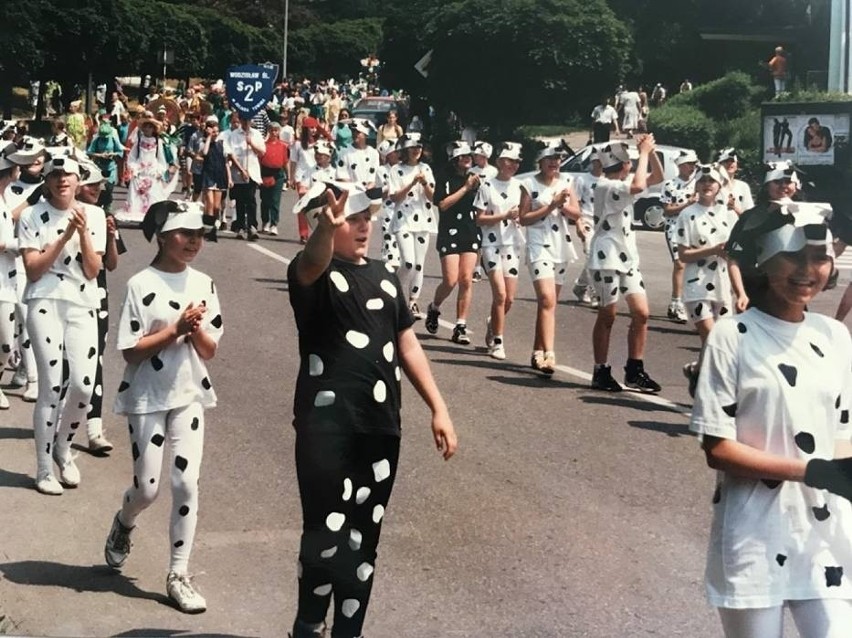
<point x="205" y="383"/>
<point x="816" y="349"/>
<point x="806" y="442"/>
<point x="158" y="440"/>
<point x="156" y="363"/>
<point x="181" y="463"/>
<point x="833" y="576"/>
<point x="770" y="483"/>
<point x="147" y="299"/>
<point x="217" y="321"/>
<point x="184" y="510"/>
<point x="730" y="410"/>
<point x="135" y="451"/>
<point x="195" y="423"/>
<point x="742" y="328"/>
<point x="123" y="386"/>
<point x="844" y="416"/>
<point x="175" y="305"/>
<point x="178" y="543"/>
<point x="821" y="513"/>
<point x="717" y="495"/>
<point x="135" y="325"/>
<point x="781" y="559"/>
<point x="790" y="373"/>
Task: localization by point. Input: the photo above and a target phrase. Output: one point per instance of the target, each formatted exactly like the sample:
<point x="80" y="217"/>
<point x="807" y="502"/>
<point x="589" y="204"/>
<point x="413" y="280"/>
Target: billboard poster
<point x="807" y="140"/>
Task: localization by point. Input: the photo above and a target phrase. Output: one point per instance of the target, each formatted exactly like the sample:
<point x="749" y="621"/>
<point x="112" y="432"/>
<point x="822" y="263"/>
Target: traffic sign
<point x="250" y="87"/>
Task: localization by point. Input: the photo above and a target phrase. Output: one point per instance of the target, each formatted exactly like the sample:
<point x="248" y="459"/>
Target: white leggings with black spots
<point x="7" y="332"/>
<point x="60" y="329"/>
<point x="817" y="618"/>
<point x="413" y="247"/>
<point x="183" y="428"/>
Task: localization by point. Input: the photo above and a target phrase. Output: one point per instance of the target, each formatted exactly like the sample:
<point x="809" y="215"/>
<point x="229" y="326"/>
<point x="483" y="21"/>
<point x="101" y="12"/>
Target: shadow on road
<point x="537" y="381"/>
<point x="16" y="433"/>
<point x="623" y="401"/>
<point x="15" y="479"/>
<point x="668" y="329"/>
<point x="80" y="578"/>
<point x="672" y="430"/>
<point x="182" y="633"/>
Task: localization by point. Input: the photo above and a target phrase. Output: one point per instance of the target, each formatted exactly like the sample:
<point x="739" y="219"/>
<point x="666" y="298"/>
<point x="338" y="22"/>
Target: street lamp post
<point x="286" y="34"/>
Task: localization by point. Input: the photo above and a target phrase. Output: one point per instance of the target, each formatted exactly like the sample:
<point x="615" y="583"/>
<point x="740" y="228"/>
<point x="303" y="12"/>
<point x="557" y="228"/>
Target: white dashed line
<point x="269" y="253"/>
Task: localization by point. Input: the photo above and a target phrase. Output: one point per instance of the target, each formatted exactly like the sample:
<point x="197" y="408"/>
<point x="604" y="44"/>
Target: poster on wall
<point x="804" y="139"/>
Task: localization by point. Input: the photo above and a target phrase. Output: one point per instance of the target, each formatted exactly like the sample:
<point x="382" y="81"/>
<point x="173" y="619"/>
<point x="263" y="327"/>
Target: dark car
<point x="376" y="109"/>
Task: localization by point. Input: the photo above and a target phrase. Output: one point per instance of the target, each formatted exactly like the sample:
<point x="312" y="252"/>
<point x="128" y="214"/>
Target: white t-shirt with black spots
<point x="782" y="388"/>
<point x="585" y="186"/>
<point x="613" y="246"/>
<point x="349" y="322"/>
<point x="698" y="227"/>
<point x="741" y="192"/>
<point x="43" y="224"/>
<point x="415" y="213"/>
<point x="176" y="376"/>
<point x="548" y="238"/>
<point x="320" y="174"/>
<point x="8" y="257"/>
<point x="358" y="165"/>
<point x="497" y="197"/>
<point x="676" y="191"/>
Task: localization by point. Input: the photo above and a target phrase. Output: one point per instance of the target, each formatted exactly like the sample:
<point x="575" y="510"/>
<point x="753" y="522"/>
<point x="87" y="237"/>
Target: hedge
<point x="684" y="126"/>
<point x="727" y="98"/>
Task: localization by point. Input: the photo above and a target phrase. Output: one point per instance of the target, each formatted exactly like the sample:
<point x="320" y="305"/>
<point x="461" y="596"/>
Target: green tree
<point x="334" y="49"/>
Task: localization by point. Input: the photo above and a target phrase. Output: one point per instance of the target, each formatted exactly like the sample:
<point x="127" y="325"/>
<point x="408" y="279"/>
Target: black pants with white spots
<point x="184" y="430"/>
<point x="61" y="330"/>
<point x="345" y="482"/>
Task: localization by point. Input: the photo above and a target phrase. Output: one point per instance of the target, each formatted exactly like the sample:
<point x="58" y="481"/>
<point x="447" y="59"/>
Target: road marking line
<point x="269" y="253"/>
<point x="574" y="372"/>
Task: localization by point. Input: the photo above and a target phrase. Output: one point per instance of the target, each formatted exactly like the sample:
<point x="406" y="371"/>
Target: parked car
<point x="647" y="211"/>
<point x="376" y="109"/>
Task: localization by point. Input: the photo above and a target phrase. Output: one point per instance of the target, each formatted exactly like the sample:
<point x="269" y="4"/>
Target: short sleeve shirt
<point x="741" y="192"/>
<point x="782" y="388"/>
<point x="42" y="224"/>
<point x="698" y="227"/>
<point x="585" y="185"/>
<point x="349" y="322"/>
<point x="613" y="246"/>
<point x="415" y="213"/>
<point x="304" y="160"/>
<point x="548" y="238"/>
<point x="358" y="165"/>
<point x="497" y="196"/>
<point x="176" y="376"/>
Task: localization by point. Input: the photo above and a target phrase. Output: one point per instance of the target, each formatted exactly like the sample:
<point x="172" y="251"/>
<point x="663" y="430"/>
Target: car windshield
<point x="374" y="105"/>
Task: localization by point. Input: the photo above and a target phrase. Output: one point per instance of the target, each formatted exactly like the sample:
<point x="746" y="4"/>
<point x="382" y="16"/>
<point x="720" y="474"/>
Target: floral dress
<point x="150" y="181"/>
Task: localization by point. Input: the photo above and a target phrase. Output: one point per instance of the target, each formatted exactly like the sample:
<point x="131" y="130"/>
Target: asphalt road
<point x="566" y="512"/>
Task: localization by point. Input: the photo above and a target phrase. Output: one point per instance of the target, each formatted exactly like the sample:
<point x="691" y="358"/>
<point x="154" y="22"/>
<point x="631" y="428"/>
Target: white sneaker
<point x="265" y="229"/>
<point x="47" y="484"/>
<point x="69" y="473"/>
<point x="273" y="229"/>
<point x="100" y="445"/>
<point x="118" y="544"/>
<point x="30" y="394"/>
<point x="19" y="379"/>
<point x="184" y="595"/>
<point x="497" y="351"/>
<point x="4" y="402"/>
<point x="489" y="333"/>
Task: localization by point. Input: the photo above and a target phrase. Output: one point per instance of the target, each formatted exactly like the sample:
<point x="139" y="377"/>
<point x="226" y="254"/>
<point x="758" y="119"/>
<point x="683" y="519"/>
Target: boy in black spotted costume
<point x="355" y="339"/>
<point x="170" y="325"/>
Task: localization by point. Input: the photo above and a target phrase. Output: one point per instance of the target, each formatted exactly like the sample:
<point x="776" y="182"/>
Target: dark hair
<point x="7" y="172"/>
<point x="612" y="170"/>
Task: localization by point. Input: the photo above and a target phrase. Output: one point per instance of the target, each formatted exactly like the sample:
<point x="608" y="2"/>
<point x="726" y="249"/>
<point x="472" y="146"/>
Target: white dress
<point x="548" y="238"/>
<point x="150" y="181"/>
<point x="783" y="388"/>
<point x="698" y="227"/>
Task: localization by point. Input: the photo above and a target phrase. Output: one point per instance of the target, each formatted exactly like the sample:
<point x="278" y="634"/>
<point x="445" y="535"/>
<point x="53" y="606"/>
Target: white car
<point x="647" y="211"/>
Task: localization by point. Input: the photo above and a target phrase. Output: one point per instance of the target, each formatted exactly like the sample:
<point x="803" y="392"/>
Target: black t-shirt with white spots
<point x="349" y="322"/>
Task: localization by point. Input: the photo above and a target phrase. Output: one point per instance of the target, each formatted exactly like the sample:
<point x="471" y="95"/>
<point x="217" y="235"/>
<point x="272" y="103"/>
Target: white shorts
<point x="502" y="258"/>
<point x="547" y="269"/>
<point x="610" y="284"/>
<point x="706" y="309"/>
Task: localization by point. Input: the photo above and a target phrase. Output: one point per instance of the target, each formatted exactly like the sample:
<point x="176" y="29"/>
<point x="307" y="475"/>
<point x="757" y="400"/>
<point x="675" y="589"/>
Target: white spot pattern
<point x="388" y="287"/>
<point x="362" y="495"/>
<point x="324" y="398"/>
<point x="364" y="571"/>
<point x="380" y="391"/>
<point x="381" y="470"/>
<point x="334" y="521"/>
<point x="375" y="304"/>
<point x="347" y="489"/>
<point x="349" y="607"/>
<point x="388" y="351"/>
<point x="328" y="553"/>
<point x="378" y="513"/>
<point x="357" y="339"/>
<point x="354" y="539"/>
<point x="315" y="365"/>
<point x="339" y="281"/>
<point x="322" y="590"/>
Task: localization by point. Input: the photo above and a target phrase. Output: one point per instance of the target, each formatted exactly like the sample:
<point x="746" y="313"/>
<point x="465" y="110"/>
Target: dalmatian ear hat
<point x="10" y="156"/>
<point x="362" y="126"/>
<point x="387" y="147"/>
<point x="509" y="150"/>
<point x="166" y="215"/>
<point x="808" y="226"/>
<point x="726" y="154"/>
<point x="712" y="171"/>
<point x="613" y="154"/>
<point x="410" y="140"/>
<point x="458" y="149"/>
<point x="359" y="200"/>
<point x="482" y="148"/>
<point x="65" y="164"/>
<point x="553" y="148"/>
<point x="686" y="157"/>
<point x="324" y="147"/>
<point x="782" y="170"/>
<point x="90" y="173"/>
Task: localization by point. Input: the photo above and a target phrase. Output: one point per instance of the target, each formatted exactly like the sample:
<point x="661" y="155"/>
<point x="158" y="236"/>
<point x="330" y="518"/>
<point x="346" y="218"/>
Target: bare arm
<point x="416" y="367"/>
<point x="736" y="275"/>
<point x="673" y="210"/>
<point x="111" y="255"/>
<point x="319" y="250"/>
<point x="451" y="200"/>
<point x="689" y="255"/>
<point x="739" y="459"/>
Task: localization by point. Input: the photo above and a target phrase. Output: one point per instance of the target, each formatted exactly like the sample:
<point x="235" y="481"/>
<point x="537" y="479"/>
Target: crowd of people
<point x="744" y="272"/>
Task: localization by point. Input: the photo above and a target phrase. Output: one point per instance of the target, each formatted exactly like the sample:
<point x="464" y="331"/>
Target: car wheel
<point x="650" y="213"/>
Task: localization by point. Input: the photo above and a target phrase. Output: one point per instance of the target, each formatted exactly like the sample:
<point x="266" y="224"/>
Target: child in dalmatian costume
<point x="323" y="169"/>
<point x="481" y="154"/>
<point x="89" y="190"/>
<point x="772" y="413"/>
<point x="678" y="193"/>
<point x="701" y="233"/>
<point x="415" y="218"/>
<point x="735" y="193"/>
<point x="389" y="154"/>
<point x="170" y="326"/>
<point x="585" y="185"/>
<point x="614" y="262"/>
<point x="25" y="191"/>
<point x="62" y="242"/>
<point x="346" y="405"/>
<point x="497" y="206"/>
<point x="548" y="201"/>
<point x="10" y="270"/>
<point x="458" y="239"/>
<point x="359" y="163"/>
